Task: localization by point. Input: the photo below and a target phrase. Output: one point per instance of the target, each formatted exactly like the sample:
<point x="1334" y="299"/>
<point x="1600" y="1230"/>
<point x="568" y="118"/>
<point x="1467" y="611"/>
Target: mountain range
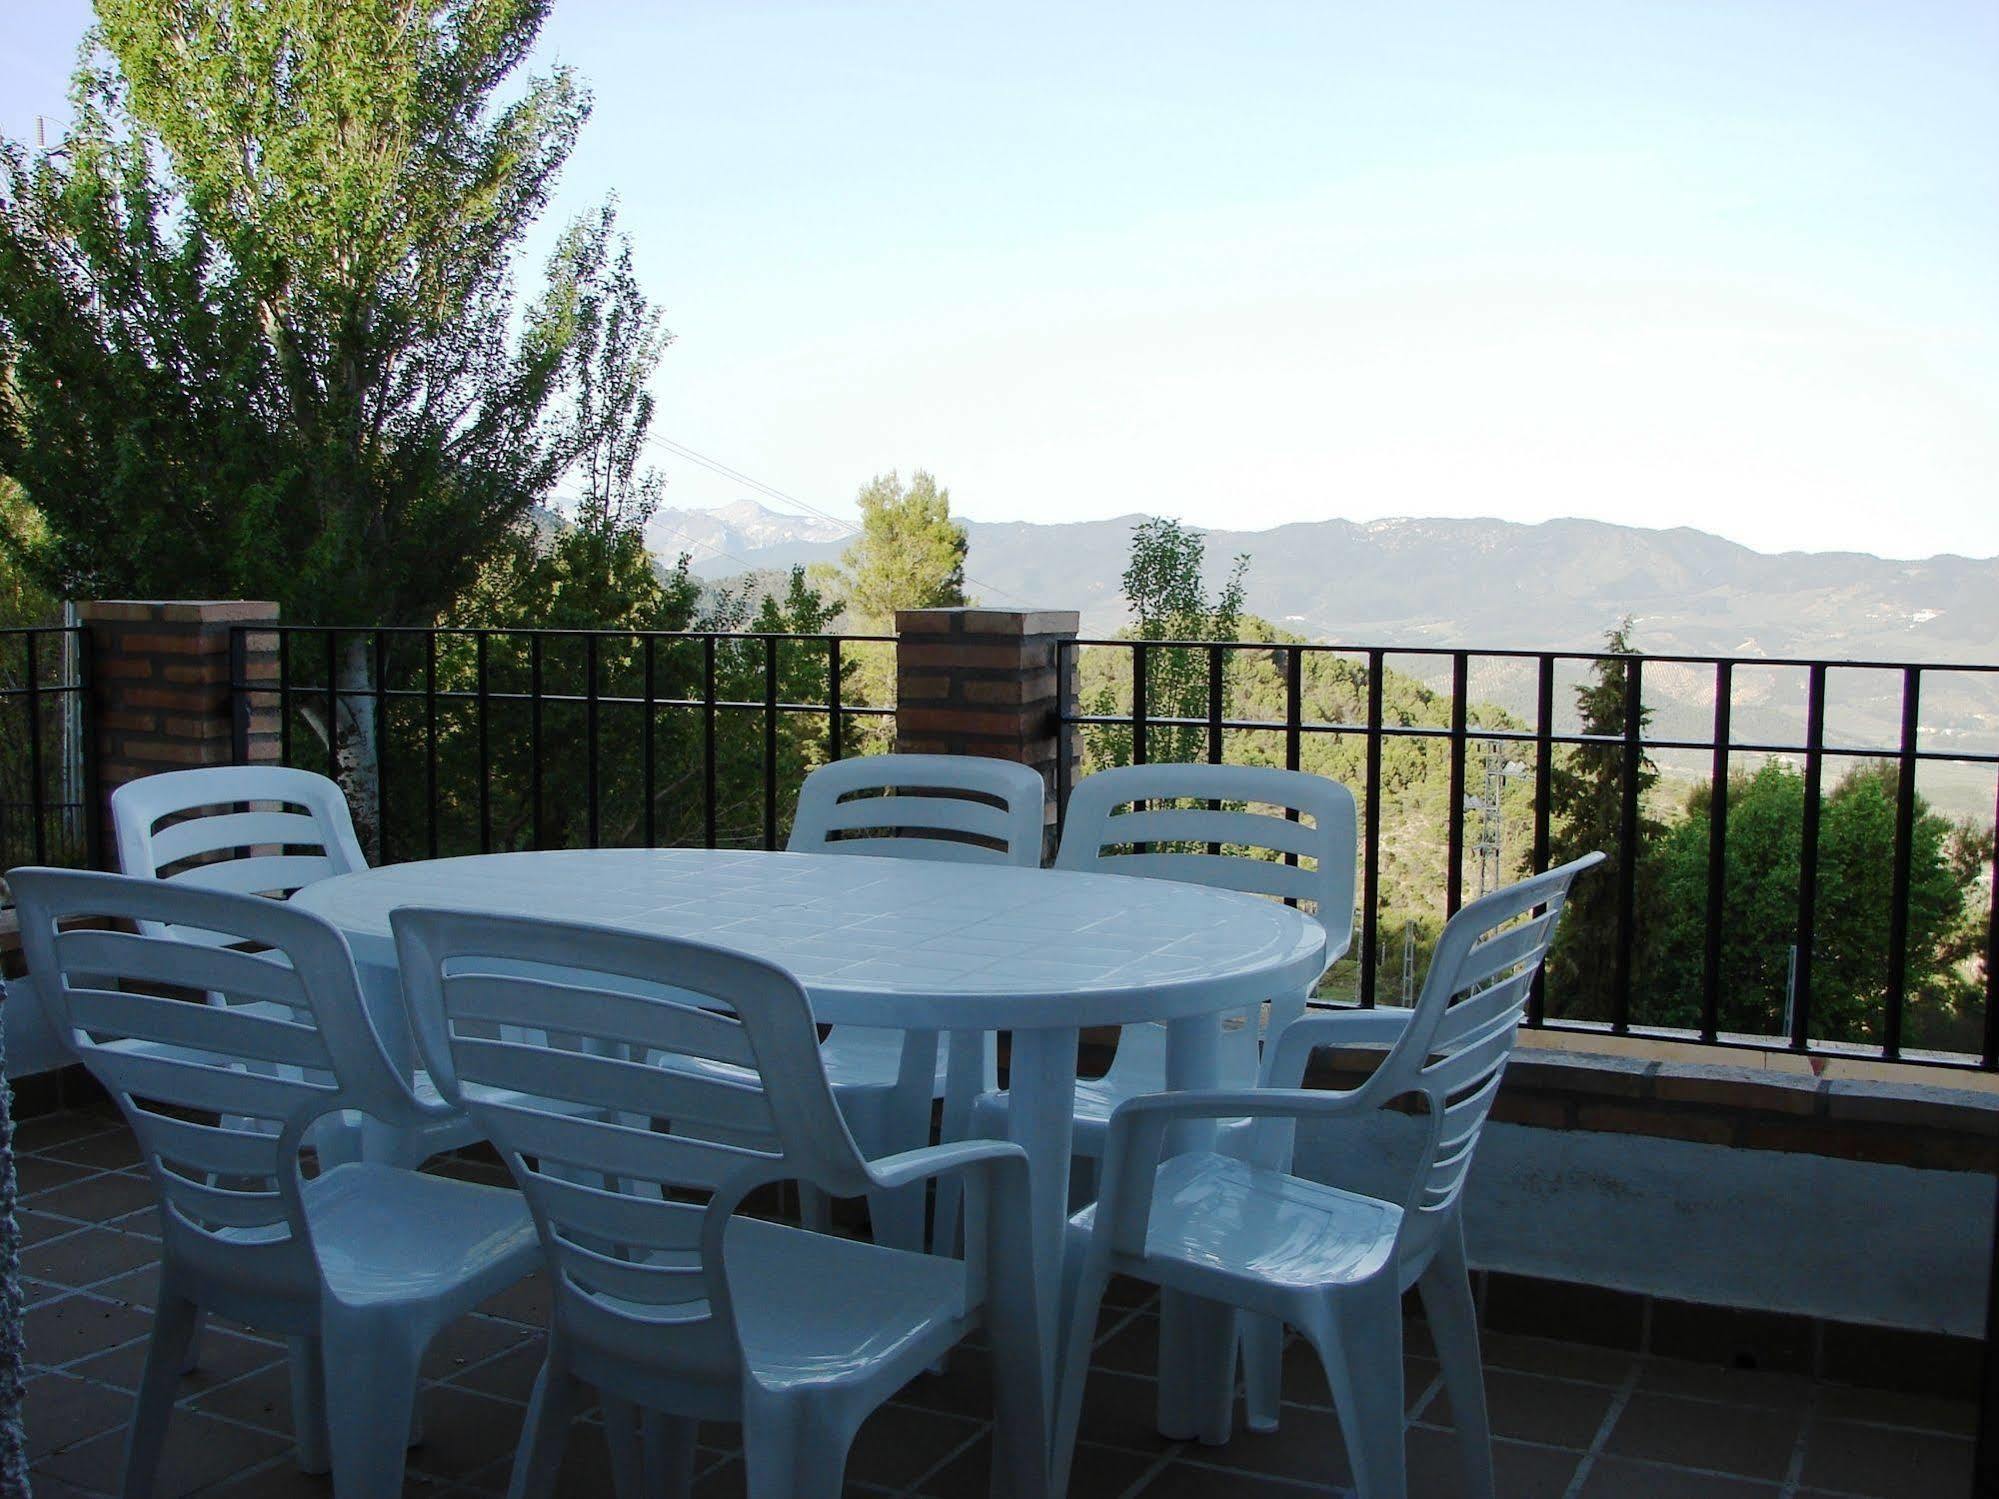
<point x="1490" y="584"/>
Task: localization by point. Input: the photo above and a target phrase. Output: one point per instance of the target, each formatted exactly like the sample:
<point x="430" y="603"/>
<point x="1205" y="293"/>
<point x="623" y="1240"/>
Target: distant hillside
<point x="716" y="538"/>
<point x="1558" y="585"/>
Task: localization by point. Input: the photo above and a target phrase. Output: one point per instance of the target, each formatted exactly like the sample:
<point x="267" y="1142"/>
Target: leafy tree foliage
<point x="1856" y="882"/>
<point x="1166" y="590"/>
<point x="910" y="553"/>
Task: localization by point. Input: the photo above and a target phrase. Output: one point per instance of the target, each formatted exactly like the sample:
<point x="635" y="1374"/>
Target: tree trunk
<point x="356" y="743"/>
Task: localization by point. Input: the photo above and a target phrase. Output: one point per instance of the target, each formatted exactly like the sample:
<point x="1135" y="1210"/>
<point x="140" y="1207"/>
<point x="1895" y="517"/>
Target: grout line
<point x="1159" y="1465"/>
<point x="1794" y="1472"/>
<point x="916" y="1485"/>
<point x="1610" y="1418"/>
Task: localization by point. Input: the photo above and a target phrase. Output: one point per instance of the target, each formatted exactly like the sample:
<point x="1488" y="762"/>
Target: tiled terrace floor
<point x="1573" y="1422"/>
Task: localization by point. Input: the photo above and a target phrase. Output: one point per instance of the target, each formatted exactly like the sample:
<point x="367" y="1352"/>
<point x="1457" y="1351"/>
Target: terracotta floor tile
<point x="84" y="1259"/>
<point x="200" y="1451"/>
<point x="1533" y="1408"/>
<point x="76" y="1326"/>
<point x="1751" y="1443"/>
<point x="1621" y="1478"/>
<point x="1884" y="1463"/>
<point x="59" y="1412"/>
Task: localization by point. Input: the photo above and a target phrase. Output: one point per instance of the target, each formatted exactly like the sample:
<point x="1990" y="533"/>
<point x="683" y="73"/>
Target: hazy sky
<point x="1731" y="265"/>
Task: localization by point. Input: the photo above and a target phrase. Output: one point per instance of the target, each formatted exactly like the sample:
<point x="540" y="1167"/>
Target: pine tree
<point x="1585" y="813"/>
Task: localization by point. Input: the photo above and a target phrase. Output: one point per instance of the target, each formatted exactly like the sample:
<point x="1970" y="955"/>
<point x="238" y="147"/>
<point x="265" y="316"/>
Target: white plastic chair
<point x="673" y="1307"/>
<point x="1132" y="820"/>
<point x="361" y="1265"/>
<point x="1242" y="1232"/>
<point x="971" y="810"/>
<point x="265" y="830"/>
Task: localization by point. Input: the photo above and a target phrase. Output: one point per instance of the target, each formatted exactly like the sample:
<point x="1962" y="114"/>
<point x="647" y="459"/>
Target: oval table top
<point x="906" y="943"/>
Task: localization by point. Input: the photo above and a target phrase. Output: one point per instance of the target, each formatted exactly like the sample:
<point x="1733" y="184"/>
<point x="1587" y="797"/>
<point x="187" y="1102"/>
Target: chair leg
<point x="1359" y="1340"/>
<point x="191" y="1360"/>
<point x="1263" y="1371"/>
<point x="1453" y="1317"/>
<point x="621" y="1435"/>
<point x="1197" y="1360"/>
<point x="964" y="1075"/>
<point x="1082" y="1297"/>
<point x="308" y="1370"/>
<point x="815" y="1209"/>
<point x="174" y="1322"/>
<point x="552" y="1408"/>
<point x="669" y="1452"/>
<point x="371" y="1365"/>
<point x="793" y="1448"/>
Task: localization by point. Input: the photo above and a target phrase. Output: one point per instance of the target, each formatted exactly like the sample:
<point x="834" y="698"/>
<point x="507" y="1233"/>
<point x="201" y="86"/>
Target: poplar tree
<point x="258" y="315"/>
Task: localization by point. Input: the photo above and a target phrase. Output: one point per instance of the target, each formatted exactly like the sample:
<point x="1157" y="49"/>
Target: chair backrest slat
<point x="264" y="874"/>
<point x="216" y="970"/>
<point x="969" y="809"/>
<point x="218" y="1030"/>
<point x="518" y="1000"/>
<point x="233" y="833"/>
<point x="679" y="1138"/>
<point x="1219" y="872"/>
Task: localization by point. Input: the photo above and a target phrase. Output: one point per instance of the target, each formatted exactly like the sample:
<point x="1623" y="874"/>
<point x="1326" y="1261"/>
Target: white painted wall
<point x="1845" y="1240"/>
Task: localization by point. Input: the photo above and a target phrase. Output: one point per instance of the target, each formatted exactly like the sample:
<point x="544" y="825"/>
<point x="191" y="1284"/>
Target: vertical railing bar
<point x="534" y="739"/>
<point x="1065" y="731"/>
<point x="770" y="741"/>
<point x="1294" y="711"/>
<point x="1217" y="679"/>
<point x="833" y="725"/>
<point x="709" y="791"/>
<point x="332" y="705"/>
<point x="430" y="742"/>
<point x="93" y="798"/>
<point x="1454" y="822"/>
<point x="1294" y="707"/>
<point x="382" y="746"/>
<point x="591" y="812"/>
<point x="1544" y="780"/>
<point x="1370" y="905"/>
<point x="284" y="697"/>
<point x="484" y="706"/>
<point x="1138" y="704"/>
<point x="1808" y="858"/>
<point x="1717" y="852"/>
<point x="1990" y="1061"/>
<point x="239" y="699"/>
<point x="1905" y="839"/>
<point x="37" y="803"/>
<point x="648" y="743"/>
<point x="1628" y="851"/>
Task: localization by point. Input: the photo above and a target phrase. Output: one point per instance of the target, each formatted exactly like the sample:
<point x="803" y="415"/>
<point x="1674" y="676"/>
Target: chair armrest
<point x="934" y="1160"/>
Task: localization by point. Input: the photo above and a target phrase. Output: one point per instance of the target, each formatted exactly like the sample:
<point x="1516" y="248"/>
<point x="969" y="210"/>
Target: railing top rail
<point x="1524" y="654"/>
<point x="599" y="633"/>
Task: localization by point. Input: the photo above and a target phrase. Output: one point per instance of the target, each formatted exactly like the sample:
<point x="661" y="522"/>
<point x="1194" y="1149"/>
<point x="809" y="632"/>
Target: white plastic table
<point x="907" y="944"/>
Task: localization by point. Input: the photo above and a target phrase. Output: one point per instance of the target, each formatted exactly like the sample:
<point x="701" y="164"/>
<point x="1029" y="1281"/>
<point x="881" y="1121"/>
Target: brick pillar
<point x="982" y="682"/>
<point x="160" y="696"/>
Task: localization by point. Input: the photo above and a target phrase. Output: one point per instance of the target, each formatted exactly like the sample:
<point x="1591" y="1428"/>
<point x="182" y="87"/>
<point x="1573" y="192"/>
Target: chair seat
<point x="815" y="1309"/>
<point x="385" y="1235"/>
<point x="1214" y="1214"/>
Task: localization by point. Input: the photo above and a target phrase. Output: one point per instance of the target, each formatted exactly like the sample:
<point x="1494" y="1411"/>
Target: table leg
<point x="1197" y="1340"/>
<point x="382" y="994"/>
<point x="1041" y="1120"/>
<point x="897" y="1217"/>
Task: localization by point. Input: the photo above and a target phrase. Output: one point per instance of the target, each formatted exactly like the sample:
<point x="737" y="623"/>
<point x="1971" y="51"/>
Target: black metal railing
<point x="47" y="814"/>
<point x="478" y="740"/>
<point x="1686" y="734"/>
